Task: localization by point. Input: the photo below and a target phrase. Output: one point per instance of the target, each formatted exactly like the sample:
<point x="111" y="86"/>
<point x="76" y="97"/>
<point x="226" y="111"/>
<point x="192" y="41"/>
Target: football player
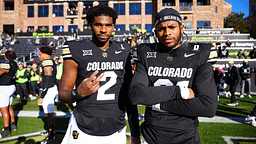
<point x="7" y="88"/>
<point x="175" y="81"/>
<point x="48" y="91"/>
<point x="100" y="70"/>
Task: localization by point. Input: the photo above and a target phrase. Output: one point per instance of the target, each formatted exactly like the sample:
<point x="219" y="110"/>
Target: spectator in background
<point x="197" y="31"/>
<point x="36" y="41"/>
<point x="252" y="53"/>
<point x="29" y="88"/>
<point x="233" y="80"/>
<point x="245" y="73"/>
<point x="241" y="54"/>
<point x="218" y="76"/>
<point x="33" y="80"/>
<point x="29" y="42"/>
<point x="228" y="43"/>
<point x="224" y="53"/>
<point x="146" y="37"/>
<point x="218" y="47"/>
<point x="18" y="30"/>
<point x="61" y="29"/>
<point x="36" y="52"/>
<point x="44" y="41"/>
<point x="124" y="36"/>
<point x="21" y="82"/>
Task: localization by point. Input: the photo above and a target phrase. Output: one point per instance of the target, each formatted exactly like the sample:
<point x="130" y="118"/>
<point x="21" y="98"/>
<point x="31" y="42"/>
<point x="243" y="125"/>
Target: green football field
<point x="210" y="132"/>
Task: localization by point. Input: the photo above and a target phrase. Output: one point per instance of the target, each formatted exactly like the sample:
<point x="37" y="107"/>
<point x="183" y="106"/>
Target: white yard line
<point x="58" y="114"/>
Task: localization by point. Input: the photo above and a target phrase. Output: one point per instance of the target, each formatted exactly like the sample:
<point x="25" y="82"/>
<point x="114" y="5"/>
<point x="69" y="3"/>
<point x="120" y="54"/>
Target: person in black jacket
<point x="44" y="41"/>
<point x="233" y="80"/>
<point x="224" y="52"/>
<point x="174" y="80"/>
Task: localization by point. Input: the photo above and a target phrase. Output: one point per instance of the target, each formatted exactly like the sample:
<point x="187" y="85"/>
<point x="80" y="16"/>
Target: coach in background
<point x="246" y="74"/>
<point x="175" y="81"/>
<point x="7" y="88"/>
<point x="233" y="80"/>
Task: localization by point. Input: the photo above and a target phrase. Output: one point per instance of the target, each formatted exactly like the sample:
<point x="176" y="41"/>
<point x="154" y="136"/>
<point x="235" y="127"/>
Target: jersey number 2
<point x="101" y="91"/>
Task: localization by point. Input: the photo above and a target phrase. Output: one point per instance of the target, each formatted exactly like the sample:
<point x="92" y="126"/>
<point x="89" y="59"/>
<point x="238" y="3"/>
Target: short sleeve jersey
<point x="101" y="113"/>
<point x="7" y="78"/>
<point x="51" y="63"/>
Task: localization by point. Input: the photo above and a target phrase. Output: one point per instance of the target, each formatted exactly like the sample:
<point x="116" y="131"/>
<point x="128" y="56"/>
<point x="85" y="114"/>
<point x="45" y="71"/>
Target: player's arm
<point x="87" y="87"/>
<point x="4" y="68"/>
<point x="2" y="71"/>
<point x="141" y="93"/>
<point x="205" y="101"/>
<point x="46" y="85"/>
<point x="132" y="111"/>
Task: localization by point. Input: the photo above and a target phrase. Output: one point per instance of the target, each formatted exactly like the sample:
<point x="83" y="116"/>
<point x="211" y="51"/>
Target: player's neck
<point x="102" y="46"/>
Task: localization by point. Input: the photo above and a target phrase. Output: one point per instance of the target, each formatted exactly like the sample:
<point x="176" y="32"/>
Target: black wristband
<point x="75" y="94"/>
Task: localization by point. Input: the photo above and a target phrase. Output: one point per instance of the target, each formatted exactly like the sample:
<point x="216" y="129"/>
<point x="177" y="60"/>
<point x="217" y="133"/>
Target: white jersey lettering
<point x="170" y="72"/>
<point x="93" y="66"/>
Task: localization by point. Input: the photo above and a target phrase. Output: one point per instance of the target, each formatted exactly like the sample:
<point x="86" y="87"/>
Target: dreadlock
<point x="11" y="56"/>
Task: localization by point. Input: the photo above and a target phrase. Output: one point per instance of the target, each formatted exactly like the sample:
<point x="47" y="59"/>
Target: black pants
<point x="22" y="90"/>
<point x="253" y="112"/>
<point x="33" y="86"/>
<point x="232" y="91"/>
<point x="58" y="84"/>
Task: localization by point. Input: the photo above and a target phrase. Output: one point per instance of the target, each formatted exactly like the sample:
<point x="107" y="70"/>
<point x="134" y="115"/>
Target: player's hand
<point x="40" y="101"/>
<point x="89" y="85"/>
<point x="17" y="76"/>
<point x="134" y="140"/>
<point x="191" y="93"/>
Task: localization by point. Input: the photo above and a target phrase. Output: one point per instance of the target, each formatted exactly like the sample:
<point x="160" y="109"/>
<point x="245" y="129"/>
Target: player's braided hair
<point x="101" y="9"/>
<point x="11" y="56"/>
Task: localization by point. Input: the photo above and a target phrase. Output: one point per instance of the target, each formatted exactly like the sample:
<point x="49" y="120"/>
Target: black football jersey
<point x="7" y="78"/>
<point x="101" y="113"/>
<point x="157" y="79"/>
<point x="51" y="63"/>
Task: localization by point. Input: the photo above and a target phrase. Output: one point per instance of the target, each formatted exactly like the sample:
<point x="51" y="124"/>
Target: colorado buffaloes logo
<point x="151" y="54"/>
<point x="75" y="134"/>
<point x="87" y="52"/>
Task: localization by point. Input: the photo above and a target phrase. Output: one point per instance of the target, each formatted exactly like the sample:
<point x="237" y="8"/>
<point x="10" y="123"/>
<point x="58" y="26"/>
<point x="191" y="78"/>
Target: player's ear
<point x="182" y="28"/>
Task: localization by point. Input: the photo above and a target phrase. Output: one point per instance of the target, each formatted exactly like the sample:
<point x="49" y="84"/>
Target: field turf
<point x="210" y="132"/>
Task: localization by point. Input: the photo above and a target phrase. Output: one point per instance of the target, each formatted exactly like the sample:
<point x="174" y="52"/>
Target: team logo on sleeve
<point x="151" y="54"/>
<point x="75" y="134"/>
<point x="213" y="54"/>
<point x="87" y="52"/>
<point x="65" y="51"/>
<point x="47" y="63"/>
<point x="4" y="66"/>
